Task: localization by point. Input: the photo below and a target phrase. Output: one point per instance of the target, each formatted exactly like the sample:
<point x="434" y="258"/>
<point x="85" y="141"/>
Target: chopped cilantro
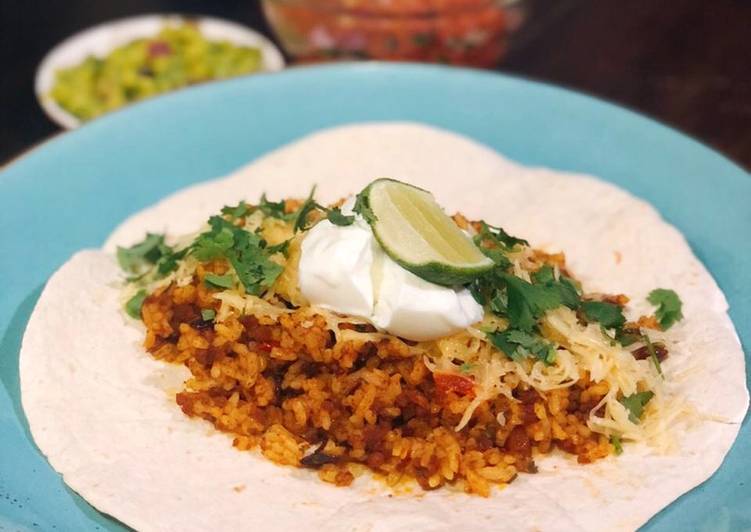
<point x="423" y="39"/>
<point x="246" y="252"/>
<point x="544" y="275"/>
<point x="362" y="207"/>
<point x="523" y="303"/>
<point x="653" y="354"/>
<point x="635" y="404"/>
<point x="240" y="210"/>
<point x="497" y="255"/>
<point x="527" y="302"/>
<point x="216" y="242"/>
<point x="466" y="367"/>
<point x="134" y="304"/>
<point x="517" y="345"/>
<point x="143" y="254"/>
<point x="498" y="236"/>
<point x="336" y="217"/>
<point x="607" y="314"/>
<point x="308" y="206"/>
<point x="208" y="314"/>
<point x="219" y="281"/>
<point x="274" y="209"/>
<point x="615" y="441"/>
<point x="151" y="255"/>
<point x="167" y="263"/>
<point x="669" y="307"/>
<point x="251" y="263"/>
<point x="565" y="286"/>
<point x="627" y="337"/>
<point x="279" y="248"/>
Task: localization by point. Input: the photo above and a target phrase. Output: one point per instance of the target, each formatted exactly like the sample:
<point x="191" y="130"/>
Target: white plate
<point x="102" y="39"/>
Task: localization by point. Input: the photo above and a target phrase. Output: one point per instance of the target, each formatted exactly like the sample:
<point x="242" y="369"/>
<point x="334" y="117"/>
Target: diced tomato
<point x="449" y="382"/>
<point x="266" y="347"/>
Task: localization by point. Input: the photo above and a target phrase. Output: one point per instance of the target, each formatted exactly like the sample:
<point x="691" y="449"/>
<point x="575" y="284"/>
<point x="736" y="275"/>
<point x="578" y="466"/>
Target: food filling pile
<point x="527" y="361"/>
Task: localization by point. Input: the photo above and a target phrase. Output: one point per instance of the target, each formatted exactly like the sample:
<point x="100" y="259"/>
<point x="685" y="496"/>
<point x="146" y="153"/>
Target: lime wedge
<point x="414" y="231"/>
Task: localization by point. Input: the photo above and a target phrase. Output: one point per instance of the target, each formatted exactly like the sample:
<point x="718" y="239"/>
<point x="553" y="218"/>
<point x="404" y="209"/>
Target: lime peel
<point x="415" y="232"/>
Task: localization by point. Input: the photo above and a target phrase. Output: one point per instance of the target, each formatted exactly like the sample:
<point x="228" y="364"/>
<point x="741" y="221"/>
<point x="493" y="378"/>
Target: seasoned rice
<point x="307" y="395"/>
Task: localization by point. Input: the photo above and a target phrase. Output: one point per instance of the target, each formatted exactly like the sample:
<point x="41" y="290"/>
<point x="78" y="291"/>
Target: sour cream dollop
<point x="344" y="269"/>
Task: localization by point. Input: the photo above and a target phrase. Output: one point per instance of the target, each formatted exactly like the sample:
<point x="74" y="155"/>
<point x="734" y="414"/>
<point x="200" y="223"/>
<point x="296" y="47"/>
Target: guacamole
<point x="179" y="55"/>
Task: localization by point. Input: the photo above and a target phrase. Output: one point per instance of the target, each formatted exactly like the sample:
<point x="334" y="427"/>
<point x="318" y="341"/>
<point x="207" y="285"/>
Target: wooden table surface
<point x="686" y="63"/>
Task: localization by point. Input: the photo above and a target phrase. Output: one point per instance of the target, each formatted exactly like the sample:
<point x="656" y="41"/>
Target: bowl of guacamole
<point x="115" y="64"/>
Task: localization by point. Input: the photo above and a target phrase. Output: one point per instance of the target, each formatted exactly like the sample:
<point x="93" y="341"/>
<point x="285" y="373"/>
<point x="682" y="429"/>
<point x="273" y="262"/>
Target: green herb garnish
<point x="527" y="302"/>
<point x="308" y="206"/>
<point x="134" y="304"/>
<point x="635" y="404"/>
<point x="653" y="354"/>
<point x="606" y="314"/>
<point x="208" y="314"/>
<point x="615" y="441"/>
<point x="517" y="345"/>
<point x="669" y="307"/>
<point x="498" y="236"/>
<point x="240" y="210"/>
<point x="336" y="217"/>
<point x="245" y="251"/>
<point x="281" y="247"/>
<point x="564" y="286"/>
<point x="362" y="207"/>
<point x="274" y="209"/>
<point x="219" y="281"/>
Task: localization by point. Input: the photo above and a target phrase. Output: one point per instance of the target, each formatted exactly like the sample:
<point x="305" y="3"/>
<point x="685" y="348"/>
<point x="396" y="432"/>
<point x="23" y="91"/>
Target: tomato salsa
<point x="467" y="32"/>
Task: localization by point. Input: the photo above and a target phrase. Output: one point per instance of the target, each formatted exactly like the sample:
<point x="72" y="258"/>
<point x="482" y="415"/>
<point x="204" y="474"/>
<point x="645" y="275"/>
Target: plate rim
<point x="717" y="157"/>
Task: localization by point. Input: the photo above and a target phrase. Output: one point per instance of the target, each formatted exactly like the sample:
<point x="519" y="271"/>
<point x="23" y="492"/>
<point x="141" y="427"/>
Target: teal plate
<point x="72" y="191"/>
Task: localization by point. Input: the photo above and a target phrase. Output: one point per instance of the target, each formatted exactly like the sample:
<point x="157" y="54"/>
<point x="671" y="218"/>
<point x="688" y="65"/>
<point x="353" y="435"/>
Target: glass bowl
<point x="461" y="32"/>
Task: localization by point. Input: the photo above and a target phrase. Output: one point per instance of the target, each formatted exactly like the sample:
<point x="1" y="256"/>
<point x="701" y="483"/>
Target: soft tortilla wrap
<point x="103" y="411"/>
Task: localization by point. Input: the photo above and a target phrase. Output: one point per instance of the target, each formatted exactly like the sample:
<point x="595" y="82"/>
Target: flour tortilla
<point x="103" y="411"/>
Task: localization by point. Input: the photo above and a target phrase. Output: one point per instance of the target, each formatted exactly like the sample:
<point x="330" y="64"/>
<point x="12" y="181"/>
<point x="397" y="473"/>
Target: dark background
<point x="686" y="63"/>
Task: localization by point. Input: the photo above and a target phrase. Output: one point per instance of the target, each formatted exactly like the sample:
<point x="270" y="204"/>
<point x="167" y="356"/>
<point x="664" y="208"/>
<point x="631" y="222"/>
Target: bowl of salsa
<point x="461" y="32"/>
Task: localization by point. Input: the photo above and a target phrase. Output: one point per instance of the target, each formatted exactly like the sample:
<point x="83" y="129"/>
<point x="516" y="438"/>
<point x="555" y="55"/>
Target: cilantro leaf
<point x="607" y="314"/>
<point x="208" y="314"/>
<point x="627" y="337"/>
<point x="167" y="263"/>
<point x="653" y="354"/>
<point x="527" y="302"/>
<point x="309" y="205"/>
<point x="279" y="248"/>
<point x="466" y="367"/>
<point x="635" y="404"/>
<point x="564" y="286"/>
<point x="139" y="256"/>
<point x="362" y="207"/>
<point x="216" y="242"/>
<point x="245" y="251"/>
<point x="336" y="217"/>
<point x="495" y="254"/>
<point x="544" y="275"/>
<point x="499" y="237"/>
<point x="219" y="281"/>
<point x="669" y="307"/>
<point x="274" y="209"/>
<point x="240" y="210"/>
<point x="134" y="304"/>
<point x="615" y="441"/>
<point x="517" y="345"/>
<point x="251" y="263"/>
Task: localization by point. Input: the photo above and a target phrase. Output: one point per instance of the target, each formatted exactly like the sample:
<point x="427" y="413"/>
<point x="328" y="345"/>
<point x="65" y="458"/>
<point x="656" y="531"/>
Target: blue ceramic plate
<point x="72" y="191"/>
